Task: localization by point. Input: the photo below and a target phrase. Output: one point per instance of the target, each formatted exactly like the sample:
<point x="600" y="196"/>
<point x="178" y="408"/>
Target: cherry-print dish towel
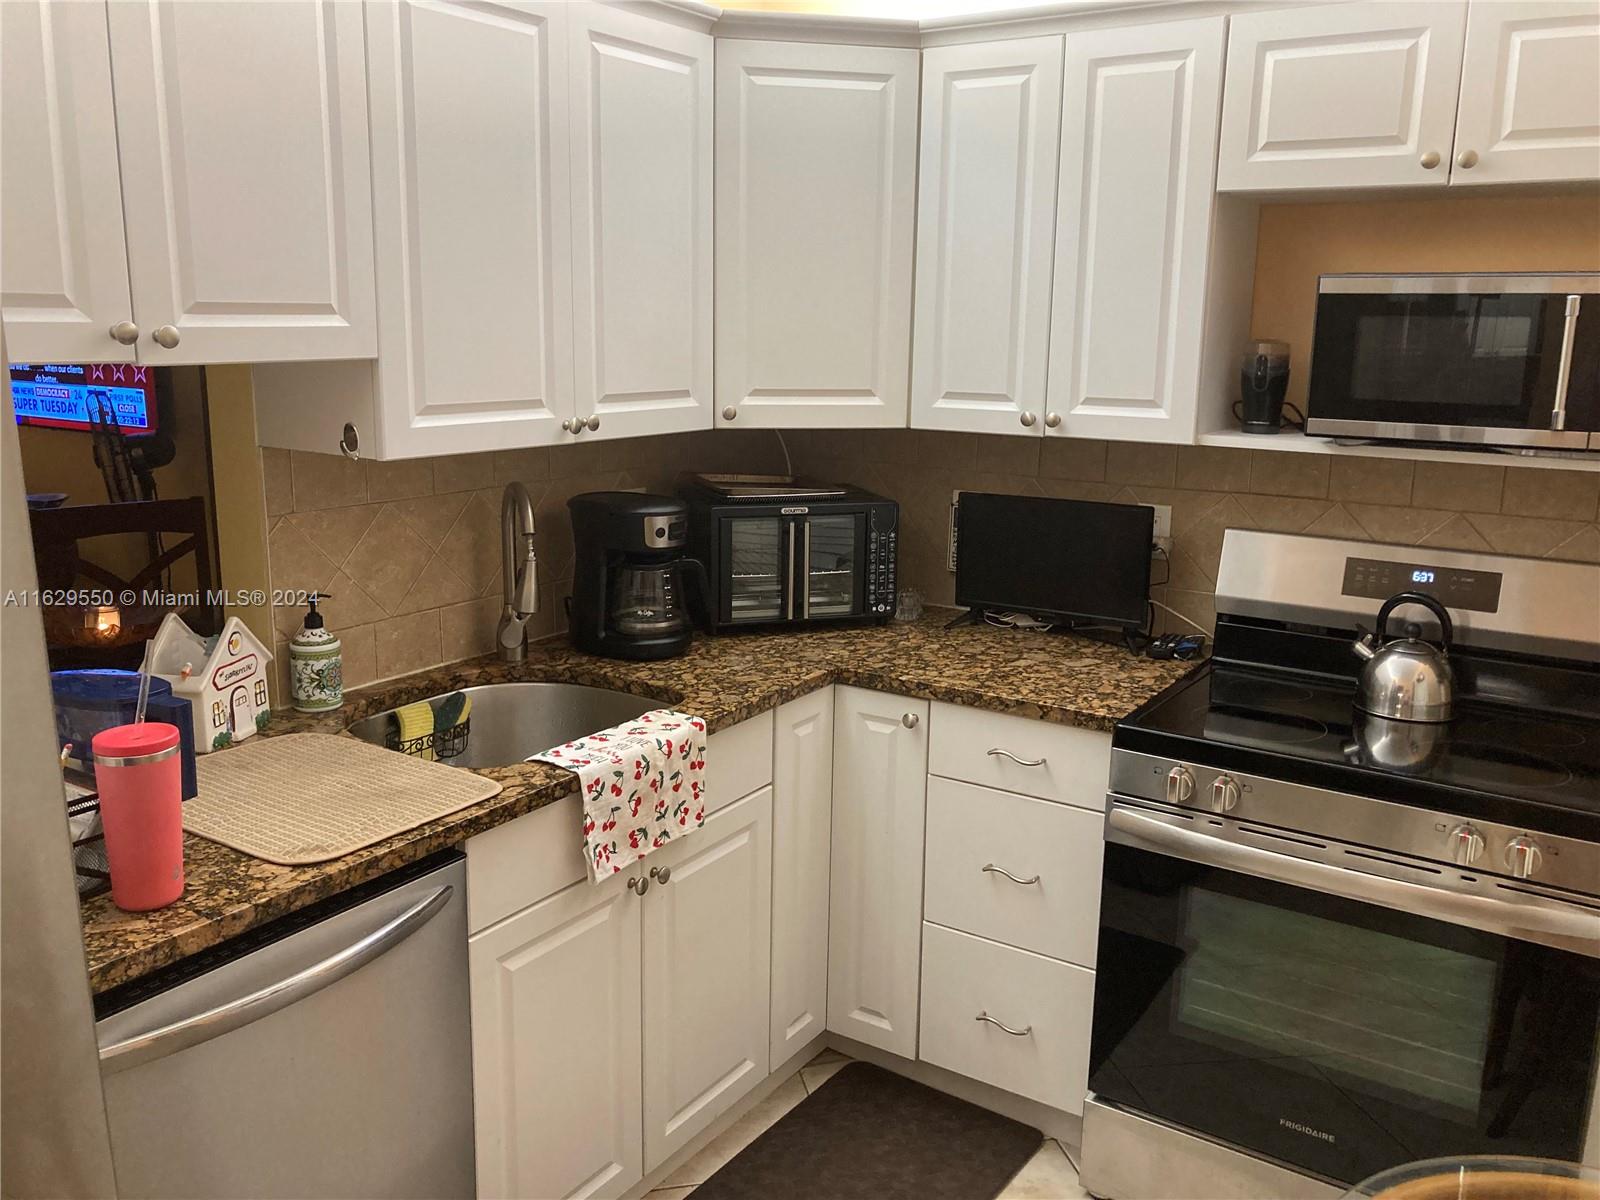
<point x="643" y="786"/>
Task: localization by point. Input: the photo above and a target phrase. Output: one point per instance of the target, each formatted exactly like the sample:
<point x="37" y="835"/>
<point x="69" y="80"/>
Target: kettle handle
<point x="1446" y="628"/>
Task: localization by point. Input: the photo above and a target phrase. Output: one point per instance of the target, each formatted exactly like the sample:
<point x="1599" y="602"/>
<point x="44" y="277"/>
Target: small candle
<point x="103" y="620"/>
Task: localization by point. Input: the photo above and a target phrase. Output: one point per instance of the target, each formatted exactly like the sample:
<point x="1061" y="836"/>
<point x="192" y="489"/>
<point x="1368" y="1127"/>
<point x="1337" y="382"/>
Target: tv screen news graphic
<point x="72" y="395"/>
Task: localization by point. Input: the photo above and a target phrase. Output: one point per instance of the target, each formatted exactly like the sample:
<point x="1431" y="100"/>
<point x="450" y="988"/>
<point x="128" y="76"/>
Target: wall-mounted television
<point x="72" y="395"/>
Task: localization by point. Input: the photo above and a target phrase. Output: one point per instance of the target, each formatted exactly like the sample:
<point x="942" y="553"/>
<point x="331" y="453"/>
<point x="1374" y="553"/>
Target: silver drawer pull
<point x="997" y="752"/>
<point x="1004" y="1028"/>
<point x="1028" y="882"/>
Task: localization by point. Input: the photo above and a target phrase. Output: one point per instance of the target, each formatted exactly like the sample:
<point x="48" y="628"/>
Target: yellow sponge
<point x="416" y="721"/>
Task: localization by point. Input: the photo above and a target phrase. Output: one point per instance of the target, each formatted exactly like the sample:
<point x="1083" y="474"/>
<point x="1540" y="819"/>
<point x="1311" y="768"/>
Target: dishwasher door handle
<point x="235" y="1014"/>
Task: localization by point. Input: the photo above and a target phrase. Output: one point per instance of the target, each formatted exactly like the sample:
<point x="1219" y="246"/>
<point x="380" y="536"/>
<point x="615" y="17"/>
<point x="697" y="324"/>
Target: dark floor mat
<point x="869" y="1134"/>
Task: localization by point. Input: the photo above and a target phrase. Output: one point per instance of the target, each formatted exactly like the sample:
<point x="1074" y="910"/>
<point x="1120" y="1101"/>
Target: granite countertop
<point x="1052" y="677"/>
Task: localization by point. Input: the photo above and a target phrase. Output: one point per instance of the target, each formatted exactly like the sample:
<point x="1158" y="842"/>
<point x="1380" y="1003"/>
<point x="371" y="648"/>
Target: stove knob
<point x="1466" y="845"/>
<point x="1523" y="857"/>
<point x="1180" y="785"/>
<point x="1224" y="794"/>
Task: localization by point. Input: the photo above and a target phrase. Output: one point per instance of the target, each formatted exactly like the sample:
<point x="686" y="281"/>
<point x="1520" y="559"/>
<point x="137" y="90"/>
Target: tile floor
<point x="1048" y="1175"/>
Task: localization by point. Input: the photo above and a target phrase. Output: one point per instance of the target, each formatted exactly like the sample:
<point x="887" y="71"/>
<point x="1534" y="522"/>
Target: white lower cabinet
<point x="556" y="1046"/>
<point x="880" y="778"/>
<point x="802" y="801"/>
<point x="707" y="961"/>
<point x="1010" y="1018"/>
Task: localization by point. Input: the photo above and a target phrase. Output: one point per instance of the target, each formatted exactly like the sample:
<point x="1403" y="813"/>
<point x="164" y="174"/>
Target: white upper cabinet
<point x="1349" y="95"/>
<point x="816" y="182"/>
<point x="61" y="241"/>
<point x="991" y="119"/>
<point x="880" y="785"/>
<point x="1138" y="144"/>
<point x="472" y="210"/>
<point x="242" y="131"/>
<point x="1530" y="103"/>
<point x="641" y="222"/>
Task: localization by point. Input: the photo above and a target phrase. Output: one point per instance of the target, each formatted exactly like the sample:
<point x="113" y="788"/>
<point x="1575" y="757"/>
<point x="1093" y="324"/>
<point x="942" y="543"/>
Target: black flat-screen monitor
<point x="1077" y="560"/>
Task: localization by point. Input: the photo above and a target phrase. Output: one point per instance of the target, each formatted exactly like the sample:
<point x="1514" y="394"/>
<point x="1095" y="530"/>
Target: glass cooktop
<point x="1307" y="729"/>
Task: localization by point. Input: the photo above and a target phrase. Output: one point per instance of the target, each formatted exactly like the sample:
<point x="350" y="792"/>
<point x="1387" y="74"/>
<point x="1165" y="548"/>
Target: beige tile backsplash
<point x="411" y="550"/>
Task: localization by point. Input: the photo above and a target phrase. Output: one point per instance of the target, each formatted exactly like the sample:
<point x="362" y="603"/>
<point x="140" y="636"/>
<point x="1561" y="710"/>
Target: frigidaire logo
<point x="796" y="511"/>
<point x="1305" y="1129"/>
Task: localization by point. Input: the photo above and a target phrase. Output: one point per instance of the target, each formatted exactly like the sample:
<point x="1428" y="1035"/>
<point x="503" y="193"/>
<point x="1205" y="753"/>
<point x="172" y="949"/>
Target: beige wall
<point x="411" y="550"/>
<point x="1298" y="242"/>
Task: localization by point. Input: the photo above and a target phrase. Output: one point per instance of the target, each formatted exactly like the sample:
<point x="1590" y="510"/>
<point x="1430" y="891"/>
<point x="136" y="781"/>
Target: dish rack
<point x="445" y="743"/>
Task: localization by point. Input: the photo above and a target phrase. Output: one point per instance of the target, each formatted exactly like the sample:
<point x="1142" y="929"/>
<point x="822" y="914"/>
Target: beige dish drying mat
<point x="308" y="797"/>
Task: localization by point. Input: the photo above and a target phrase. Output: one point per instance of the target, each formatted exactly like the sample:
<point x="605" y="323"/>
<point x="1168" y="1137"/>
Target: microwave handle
<point x="788" y="579"/>
<point x="1558" y="413"/>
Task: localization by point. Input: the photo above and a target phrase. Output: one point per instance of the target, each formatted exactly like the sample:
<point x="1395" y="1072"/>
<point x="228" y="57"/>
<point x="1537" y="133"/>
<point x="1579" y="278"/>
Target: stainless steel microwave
<point x="1489" y="360"/>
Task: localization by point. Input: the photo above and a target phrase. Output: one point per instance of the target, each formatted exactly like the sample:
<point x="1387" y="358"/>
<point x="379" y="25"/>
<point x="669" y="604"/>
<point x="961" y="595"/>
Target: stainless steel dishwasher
<point x="327" y="1054"/>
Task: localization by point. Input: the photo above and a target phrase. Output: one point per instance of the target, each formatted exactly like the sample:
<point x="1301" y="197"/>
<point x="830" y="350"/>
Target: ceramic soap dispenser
<point x="316" y="666"/>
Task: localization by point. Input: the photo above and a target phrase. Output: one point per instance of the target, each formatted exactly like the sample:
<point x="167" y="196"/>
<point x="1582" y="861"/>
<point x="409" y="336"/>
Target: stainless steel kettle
<point x="1406" y="678"/>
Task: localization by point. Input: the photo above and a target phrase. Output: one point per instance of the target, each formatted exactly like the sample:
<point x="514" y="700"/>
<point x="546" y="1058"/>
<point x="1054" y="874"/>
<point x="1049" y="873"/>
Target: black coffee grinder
<point x="632" y="586"/>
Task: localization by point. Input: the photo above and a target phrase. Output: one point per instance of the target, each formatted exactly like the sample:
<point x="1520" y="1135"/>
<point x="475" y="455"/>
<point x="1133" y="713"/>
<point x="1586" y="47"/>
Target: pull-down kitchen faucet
<point x="519" y="568"/>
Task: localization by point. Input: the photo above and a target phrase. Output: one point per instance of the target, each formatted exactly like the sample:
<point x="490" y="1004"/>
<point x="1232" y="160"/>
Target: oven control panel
<point x="1378" y="579"/>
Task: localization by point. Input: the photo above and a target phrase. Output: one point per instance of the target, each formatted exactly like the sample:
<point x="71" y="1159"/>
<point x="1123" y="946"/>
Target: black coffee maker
<point x="633" y="588"/>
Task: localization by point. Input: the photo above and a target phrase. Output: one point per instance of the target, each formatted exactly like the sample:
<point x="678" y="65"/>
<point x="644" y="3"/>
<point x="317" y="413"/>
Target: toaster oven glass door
<point x="756" y="562"/>
<point x="1401" y="361"/>
<point x="833" y="548"/>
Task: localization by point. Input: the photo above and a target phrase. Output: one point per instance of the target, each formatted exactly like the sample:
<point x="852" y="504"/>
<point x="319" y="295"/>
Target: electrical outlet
<point x="955" y="517"/>
<point x="1161" y="535"/>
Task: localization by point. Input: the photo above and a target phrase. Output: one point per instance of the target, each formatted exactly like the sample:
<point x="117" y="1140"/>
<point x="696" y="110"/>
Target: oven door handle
<point x="788" y="581"/>
<point x="1531" y="919"/>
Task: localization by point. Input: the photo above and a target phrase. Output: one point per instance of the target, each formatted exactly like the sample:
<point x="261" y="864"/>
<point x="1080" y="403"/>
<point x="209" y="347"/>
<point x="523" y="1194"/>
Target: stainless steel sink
<point x="510" y="721"/>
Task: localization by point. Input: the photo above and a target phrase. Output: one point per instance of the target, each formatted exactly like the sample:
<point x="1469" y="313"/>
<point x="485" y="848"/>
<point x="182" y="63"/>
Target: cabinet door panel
<point x="641" y="218"/>
<point x="1347" y="95"/>
<point x="246" y="181"/>
<point x="880" y="780"/>
<point x="66" y="264"/>
<point x="1530" y="106"/>
<point x="555" y="1046"/>
<point x="816" y="194"/>
<point x="1138" y="144"/>
<point x="707" y="974"/>
<point x="802" y="806"/>
<point x="991" y="119"/>
<point x="473" y="217"/>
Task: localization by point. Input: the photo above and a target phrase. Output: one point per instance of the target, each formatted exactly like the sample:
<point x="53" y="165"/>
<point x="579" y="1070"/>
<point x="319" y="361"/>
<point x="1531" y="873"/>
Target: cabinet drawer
<point x="738" y="761"/>
<point x="976" y="834"/>
<point x="1019" y="754"/>
<point x="964" y="977"/>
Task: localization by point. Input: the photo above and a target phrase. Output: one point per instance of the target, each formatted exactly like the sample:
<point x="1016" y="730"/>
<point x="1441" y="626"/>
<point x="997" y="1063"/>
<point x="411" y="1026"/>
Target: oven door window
<point x="833" y="565"/>
<point x="753" y="550"/>
<point x="1488" y="360"/>
<point x="1338" y="1037"/>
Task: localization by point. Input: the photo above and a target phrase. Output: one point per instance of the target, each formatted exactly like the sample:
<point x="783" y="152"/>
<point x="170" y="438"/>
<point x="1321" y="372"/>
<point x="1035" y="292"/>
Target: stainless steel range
<point x="1332" y="941"/>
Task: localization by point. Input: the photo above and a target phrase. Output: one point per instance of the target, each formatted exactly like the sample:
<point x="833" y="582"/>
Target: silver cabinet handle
<point x="166" y="337"/>
<point x="998" y="752"/>
<point x="1004" y="1028"/>
<point x="1028" y="882"/>
<point x="1578" y="928"/>
<point x="909" y="720"/>
<point x="1430" y="160"/>
<point x="729" y="413"/>
<point x="350" y="442"/>
<point x="1467" y="159"/>
<point x="566" y="426"/>
<point x="1558" y="412"/>
<point x="1027" y="420"/>
<point x="1052" y="420"/>
<point x="593" y="422"/>
<point x="125" y="332"/>
<point x="662" y="875"/>
<point x="224" y="1018"/>
<point x="638" y="885"/>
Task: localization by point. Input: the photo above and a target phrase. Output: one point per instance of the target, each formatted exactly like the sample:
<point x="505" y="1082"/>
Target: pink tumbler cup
<point x="141" y="811"/>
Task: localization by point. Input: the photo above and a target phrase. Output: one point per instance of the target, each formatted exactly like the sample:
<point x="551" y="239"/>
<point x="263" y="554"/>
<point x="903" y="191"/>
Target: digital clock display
<point x="1454" y="587"/>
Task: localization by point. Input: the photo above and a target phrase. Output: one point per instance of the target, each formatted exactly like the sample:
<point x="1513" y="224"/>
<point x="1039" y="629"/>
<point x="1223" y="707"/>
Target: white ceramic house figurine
<point x="224" y="678"/>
